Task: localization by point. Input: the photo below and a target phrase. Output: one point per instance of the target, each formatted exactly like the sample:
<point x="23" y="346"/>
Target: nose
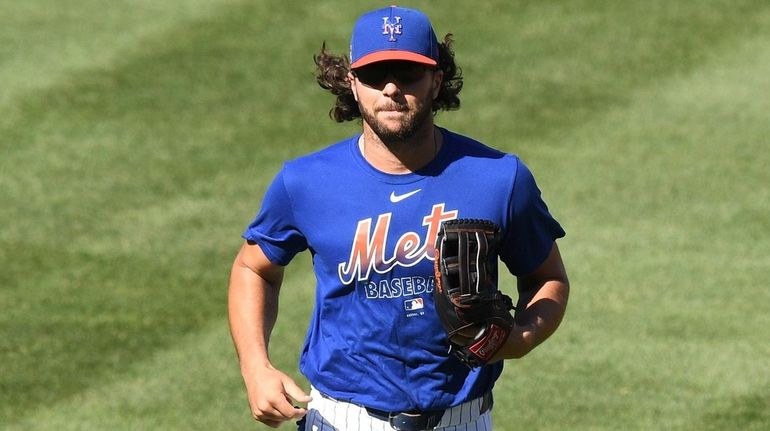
<point x="391" y="88"/>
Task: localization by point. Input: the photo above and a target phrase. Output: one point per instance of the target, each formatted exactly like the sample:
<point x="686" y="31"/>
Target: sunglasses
<point x="405" y="72"/>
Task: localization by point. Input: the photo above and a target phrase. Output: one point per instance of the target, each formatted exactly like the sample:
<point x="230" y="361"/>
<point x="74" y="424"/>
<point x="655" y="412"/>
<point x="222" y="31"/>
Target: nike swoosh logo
<point x="398" y="198"/>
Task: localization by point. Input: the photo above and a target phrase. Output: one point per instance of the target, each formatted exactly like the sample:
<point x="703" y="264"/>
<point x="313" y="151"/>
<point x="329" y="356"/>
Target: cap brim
<point x="392" y="55"/>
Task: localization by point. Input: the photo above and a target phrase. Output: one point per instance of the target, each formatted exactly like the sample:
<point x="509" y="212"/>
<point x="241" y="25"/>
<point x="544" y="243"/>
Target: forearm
<point x="252" y="303"/>
<point x="252" y="312"/>
<point x="542" y="303"/>
<point x="538" y="318"/>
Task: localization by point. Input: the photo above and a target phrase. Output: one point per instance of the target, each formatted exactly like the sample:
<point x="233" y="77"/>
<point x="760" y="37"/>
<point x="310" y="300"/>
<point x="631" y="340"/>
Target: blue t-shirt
<point x="374" y="338"/>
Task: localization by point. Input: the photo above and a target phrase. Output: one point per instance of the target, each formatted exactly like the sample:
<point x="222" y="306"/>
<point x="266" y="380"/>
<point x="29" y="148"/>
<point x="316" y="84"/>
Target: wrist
<point x="255" y="365"/>
<point x="520" y="341"/>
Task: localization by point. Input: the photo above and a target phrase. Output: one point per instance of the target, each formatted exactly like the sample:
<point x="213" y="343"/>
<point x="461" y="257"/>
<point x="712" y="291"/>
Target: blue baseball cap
<point x="393" y="33"/>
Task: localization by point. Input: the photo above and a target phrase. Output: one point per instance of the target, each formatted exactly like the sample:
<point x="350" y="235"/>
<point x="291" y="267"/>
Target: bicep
<point x="551" y="270"/>
<point x="251" y="261"/>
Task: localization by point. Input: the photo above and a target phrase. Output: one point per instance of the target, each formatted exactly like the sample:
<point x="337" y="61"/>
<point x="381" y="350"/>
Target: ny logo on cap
<point x="390" y="28"/>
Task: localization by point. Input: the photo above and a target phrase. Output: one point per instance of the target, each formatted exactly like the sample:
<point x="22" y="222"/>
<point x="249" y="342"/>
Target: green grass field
<point x="137" y="138"/>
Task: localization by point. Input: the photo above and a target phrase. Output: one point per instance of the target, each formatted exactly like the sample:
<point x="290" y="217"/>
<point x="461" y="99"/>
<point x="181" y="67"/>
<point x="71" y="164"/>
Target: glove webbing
<point x="471" y="270"/>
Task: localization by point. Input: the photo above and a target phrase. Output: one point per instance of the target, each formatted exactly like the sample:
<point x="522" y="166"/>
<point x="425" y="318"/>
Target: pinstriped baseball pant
<point x="327" y="414"/>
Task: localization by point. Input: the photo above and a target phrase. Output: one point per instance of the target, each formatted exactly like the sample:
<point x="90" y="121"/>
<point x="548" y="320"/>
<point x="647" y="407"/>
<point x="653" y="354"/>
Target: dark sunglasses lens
<point x="403" y="72"/>
<point x="371" y="75"/>
<point x="408" y="73"/>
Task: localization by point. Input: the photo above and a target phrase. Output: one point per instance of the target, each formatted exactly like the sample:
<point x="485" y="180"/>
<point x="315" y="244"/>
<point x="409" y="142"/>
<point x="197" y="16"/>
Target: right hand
<point x="271" y="396"/>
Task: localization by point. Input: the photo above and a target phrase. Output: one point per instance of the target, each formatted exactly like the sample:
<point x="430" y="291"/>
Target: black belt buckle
<point x="415" y="421"/>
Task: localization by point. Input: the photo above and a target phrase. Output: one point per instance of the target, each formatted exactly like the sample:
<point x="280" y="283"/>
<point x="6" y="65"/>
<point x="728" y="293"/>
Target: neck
<point x="400" y="156"/>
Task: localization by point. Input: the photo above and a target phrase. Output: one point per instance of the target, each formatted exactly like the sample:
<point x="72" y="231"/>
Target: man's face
<point x="395" y="97"/>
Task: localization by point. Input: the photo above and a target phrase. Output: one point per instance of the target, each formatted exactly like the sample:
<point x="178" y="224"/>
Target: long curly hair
<point x="332" y="74"/>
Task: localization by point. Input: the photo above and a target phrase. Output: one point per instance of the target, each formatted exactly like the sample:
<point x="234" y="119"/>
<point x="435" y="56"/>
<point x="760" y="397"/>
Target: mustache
<point x="392" y="107"/>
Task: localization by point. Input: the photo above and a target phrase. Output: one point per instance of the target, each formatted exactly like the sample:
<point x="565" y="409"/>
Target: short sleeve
<point x="531" y="230"/>
<point x="274" y="227"/>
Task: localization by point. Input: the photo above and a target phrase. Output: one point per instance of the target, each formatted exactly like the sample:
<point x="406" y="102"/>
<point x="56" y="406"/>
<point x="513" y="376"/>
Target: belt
<point x="420" y="421"/>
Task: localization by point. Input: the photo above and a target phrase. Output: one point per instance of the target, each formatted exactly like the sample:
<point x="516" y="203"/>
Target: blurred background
<point x="137" y="138"/>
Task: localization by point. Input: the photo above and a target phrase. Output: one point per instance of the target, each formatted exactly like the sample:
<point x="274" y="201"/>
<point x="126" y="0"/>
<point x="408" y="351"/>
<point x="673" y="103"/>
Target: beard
<point x="410" y="123"/>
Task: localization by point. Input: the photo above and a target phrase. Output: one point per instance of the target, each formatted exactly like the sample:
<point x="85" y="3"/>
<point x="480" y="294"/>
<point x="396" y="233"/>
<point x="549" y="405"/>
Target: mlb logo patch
<point x="414" y="304"/>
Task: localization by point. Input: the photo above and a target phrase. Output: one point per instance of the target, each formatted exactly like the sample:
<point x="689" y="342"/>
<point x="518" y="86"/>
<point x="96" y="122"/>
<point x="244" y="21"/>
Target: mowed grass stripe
<point x="192" y="384"/>
<point x="68" y="174"/>
<point x="178" y="388"/>
<point x="194" y="105"/>
<point x="125" y="184"/>
<point x="539" y="69"/>
<point x="42" y="41"/>
<point x="667" y="260"/>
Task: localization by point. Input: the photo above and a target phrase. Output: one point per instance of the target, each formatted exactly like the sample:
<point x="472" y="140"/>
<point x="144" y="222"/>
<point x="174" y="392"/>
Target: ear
<point x="352" y="81"/>
<point x="438" y="79"/>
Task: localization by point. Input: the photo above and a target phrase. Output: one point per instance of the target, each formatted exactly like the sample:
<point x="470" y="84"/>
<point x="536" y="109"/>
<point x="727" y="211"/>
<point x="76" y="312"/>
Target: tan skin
<point x="399" y="157"/>
<point x="255" y="282"/>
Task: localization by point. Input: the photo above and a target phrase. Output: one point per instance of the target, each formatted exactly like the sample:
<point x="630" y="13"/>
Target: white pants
<point x="327" y="414"/>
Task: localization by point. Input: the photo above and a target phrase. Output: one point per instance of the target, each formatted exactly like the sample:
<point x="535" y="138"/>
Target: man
<point x="369" y="208"/>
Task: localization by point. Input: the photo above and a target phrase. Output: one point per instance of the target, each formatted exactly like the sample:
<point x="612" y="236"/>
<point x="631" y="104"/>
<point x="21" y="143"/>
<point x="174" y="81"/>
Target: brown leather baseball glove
<point x="474" y="313"/>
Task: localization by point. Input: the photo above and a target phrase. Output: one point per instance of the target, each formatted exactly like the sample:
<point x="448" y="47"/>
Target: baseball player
<point x="369" y="209"/>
